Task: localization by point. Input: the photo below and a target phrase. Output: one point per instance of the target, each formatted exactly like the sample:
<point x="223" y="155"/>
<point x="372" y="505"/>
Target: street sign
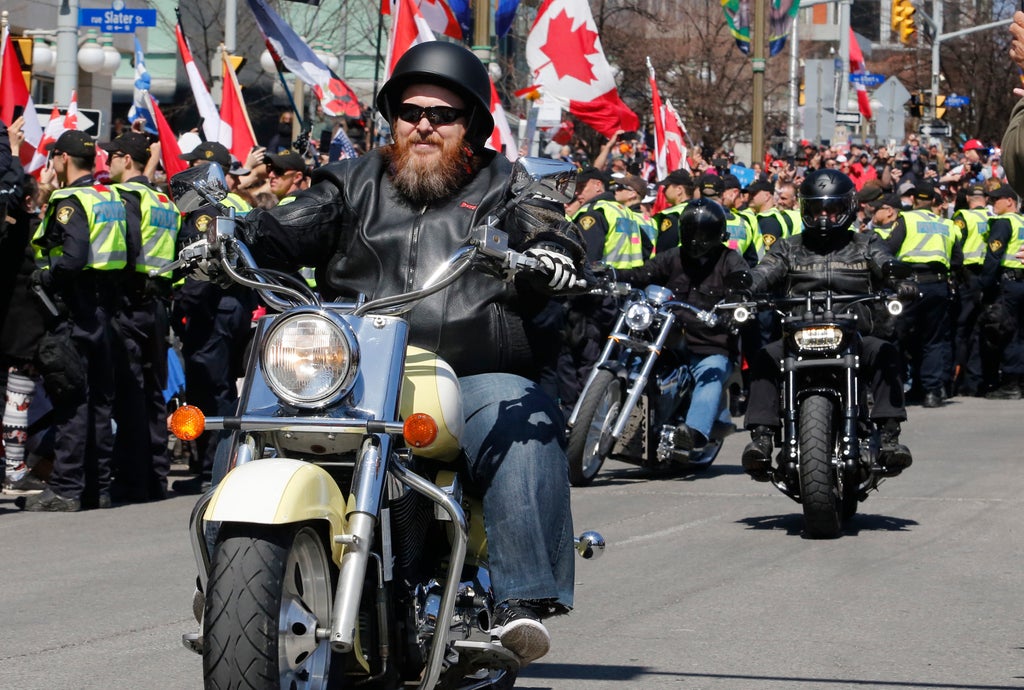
<point x="847" y="118"/>
<point x="955" y="101"/>
<point x="116" y="19"/>
<point x="935" y="129"/>
<point x="868" y="79"/>
<point x="89" y="121"/>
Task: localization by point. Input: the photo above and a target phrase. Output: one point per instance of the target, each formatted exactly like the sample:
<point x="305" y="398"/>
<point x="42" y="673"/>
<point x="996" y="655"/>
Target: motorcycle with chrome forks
<point x="340" y="549"/>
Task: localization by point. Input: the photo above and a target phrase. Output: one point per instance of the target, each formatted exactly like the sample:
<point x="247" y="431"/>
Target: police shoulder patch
<point x="960" y="223"/>
<point x="587" y="222"/>
<point x="202" y="222"/>
<point x="666" y="224"/>
<point x="64" y="214"/>
<point x="769" y="240"/>
<point x="995" y="245"/>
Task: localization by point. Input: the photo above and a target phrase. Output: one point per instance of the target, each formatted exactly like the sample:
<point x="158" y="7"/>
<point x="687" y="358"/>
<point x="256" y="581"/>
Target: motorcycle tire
<point x="269" y="590"/>
<point x="821" y="492"/>
<point x="590" y="440"/>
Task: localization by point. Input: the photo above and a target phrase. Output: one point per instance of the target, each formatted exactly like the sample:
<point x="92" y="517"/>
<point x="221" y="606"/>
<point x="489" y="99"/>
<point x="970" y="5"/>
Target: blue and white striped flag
<point x="341" y="147"/>
<point x="140" y="104"/>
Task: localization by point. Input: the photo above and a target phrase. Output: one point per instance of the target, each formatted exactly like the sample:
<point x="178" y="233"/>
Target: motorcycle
<point x="638" y="392"/>
<point x="340" y="548"/>
<point x="828" y="458"/>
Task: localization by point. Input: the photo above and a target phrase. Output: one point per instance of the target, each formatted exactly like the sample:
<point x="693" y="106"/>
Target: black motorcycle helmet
<point x="828" y="203"/>
<point x="448" y="65"/>
<point x="701" y="227"/>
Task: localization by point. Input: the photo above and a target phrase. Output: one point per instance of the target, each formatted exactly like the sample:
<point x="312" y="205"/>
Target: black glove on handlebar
<point x="907" y="290"/>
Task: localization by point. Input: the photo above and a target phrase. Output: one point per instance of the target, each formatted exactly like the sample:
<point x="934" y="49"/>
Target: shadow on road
<point x="592" y="672"/>
<point x="793" y="523"/>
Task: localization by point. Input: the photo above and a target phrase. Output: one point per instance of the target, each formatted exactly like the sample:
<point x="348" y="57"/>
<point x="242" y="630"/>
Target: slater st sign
<point x="116" y="19"/>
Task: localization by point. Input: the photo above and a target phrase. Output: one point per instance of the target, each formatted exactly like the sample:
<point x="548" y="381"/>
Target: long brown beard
<point x="424" y="180"/>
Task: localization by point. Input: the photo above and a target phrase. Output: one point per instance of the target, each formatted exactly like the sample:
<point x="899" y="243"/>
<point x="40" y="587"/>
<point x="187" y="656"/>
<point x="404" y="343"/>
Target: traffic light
<point x="23" y="47"/>
<point x="903" y="20"/>
<point x="939" y="110"/>
<point x="917" y="104"/>
<point x="236" y="62"/>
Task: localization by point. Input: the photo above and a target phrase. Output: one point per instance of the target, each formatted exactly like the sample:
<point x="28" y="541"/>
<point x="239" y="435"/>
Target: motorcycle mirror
<point x="590" y="544"/>
<point x="201" y="182"/>
<point x="739" y="280"/>
<point x="546" y="177"/>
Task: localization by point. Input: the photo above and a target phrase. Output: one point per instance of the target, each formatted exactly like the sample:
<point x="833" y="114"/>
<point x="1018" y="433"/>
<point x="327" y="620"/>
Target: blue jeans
<point x="515" y="443"/>
<point x="709" y="375"/>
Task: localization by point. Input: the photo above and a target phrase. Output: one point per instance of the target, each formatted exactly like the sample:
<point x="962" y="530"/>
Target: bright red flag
<point x="408" y="28"/>
<point x="170" y="153"/>
<point x="13" y="94"/>
<point x="501" y="137"/>
<point x="564" y="53"/>
<point x="235" y="129"/>
<point x="857" y="66"/>
<point x="659" y="124"/>
<point x="54" y="128"/>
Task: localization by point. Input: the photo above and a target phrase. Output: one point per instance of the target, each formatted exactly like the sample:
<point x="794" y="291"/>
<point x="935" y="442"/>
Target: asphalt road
<point x="706" y="583"/>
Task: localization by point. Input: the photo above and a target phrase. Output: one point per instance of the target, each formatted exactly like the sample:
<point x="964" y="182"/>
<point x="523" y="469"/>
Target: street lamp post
<point x="65" y="77"/>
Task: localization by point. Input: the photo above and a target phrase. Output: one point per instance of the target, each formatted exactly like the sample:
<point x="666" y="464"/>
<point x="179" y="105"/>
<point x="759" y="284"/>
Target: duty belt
<point x="1013" y="274"/>
<point x="931" y="276"/>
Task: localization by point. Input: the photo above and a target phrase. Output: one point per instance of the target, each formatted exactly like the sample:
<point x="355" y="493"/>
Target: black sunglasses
<point x="435" y="114"/>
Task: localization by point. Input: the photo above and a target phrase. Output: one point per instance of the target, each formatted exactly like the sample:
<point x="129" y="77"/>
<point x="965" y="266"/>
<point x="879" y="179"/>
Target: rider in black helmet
<point x="827" y="255"/>
<point x="698" y="272"/>
<point x="382" y="224"/>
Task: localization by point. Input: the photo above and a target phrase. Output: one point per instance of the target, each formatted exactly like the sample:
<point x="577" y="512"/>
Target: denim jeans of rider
<point x="709" y="373"/>
<point x="515" y="443"/>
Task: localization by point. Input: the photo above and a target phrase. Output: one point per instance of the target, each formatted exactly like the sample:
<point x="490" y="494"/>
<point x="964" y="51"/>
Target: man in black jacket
<point x="697" y="271"/>
<point x="381" y="225"/>
<point x="827" y="255"/>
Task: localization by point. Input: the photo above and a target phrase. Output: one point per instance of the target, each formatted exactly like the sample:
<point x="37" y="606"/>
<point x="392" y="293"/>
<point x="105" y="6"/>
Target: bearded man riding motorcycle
<point x="378" y="225"/>
<point x="827" y="255"/>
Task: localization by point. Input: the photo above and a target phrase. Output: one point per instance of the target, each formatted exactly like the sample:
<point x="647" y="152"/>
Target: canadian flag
<point x="54" y="128"/>
<point x="14" y="93"/>
<point x="204" y="102"/>
<point x="857" y="66"/>
<point x="502" y="135"/>
<point x="170" y="152"/>
<point x="675" y="140"/>
<point x="235" y="128"/>
<point x="408" y="28"/>
<point x="438" y="15"/>
<point x="564" y="53"/>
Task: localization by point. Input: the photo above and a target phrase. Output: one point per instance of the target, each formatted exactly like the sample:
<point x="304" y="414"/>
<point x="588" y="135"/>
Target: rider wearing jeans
<point x="697" y="272"/>
<point x="827" y="255"/>
<point x="380" y="225"/>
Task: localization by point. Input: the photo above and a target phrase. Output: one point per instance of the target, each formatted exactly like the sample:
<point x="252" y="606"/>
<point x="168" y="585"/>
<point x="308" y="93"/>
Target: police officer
<point x="214" y="324"/>
<point x="141" y="459"/>
<point x="612" y="230"/>
<point x="773" y="223"/>
<point x="1002" y="283"/>
<point x="929" y="243"/>
<point x="972" y="224"/>
<point x="679" y="189"/>
<point x="590" y="184"/>
<point x="885" y="210"/>
<point x="788" y="204"/>
<point x="741" y="237"/>
<point x="82" y="253"/>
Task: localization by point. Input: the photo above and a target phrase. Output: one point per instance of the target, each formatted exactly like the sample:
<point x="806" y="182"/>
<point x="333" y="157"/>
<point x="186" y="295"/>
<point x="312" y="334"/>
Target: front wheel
<point x="590" y="440"/>
<point x="820" y="482"/>
<point x="269" y="592"/>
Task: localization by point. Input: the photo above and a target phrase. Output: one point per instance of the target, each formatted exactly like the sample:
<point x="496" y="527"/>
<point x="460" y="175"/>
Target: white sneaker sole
<point x="527" y="639"/>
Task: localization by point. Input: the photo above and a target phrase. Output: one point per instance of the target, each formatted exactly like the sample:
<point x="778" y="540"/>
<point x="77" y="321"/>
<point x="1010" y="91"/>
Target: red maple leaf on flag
<point x="559" y="48"/>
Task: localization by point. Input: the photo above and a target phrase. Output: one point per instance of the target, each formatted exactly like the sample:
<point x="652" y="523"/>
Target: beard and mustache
<point x="423" y="179"/>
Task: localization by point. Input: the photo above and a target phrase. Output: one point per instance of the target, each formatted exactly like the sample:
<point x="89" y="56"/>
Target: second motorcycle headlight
<point x="309" y="359"/>
<point x="818" y="338"/>
<point x="639" y="316"/>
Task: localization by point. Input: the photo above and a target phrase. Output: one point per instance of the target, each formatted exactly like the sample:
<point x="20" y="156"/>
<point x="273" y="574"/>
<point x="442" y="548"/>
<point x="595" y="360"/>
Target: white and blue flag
<point x="140" y="103"/>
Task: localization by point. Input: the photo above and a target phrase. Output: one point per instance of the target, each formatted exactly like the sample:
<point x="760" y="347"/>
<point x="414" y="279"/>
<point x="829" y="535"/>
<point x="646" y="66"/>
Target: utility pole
<point x="757" y="63"/>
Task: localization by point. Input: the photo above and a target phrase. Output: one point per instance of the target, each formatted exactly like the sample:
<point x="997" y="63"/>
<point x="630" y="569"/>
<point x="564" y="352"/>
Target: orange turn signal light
<point x="187" y="422"/>
<point x="419" y="430"/>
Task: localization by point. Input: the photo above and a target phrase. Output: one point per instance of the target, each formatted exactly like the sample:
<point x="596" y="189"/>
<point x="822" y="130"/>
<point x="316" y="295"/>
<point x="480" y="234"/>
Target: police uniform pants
<point x="1012" y="296"/>
<point x="966" y="347"/>
<point x="141" y="458"/>
<point x="879" y="371"/>
<point x="924" y="335"/>
<point x="84" y="439"/>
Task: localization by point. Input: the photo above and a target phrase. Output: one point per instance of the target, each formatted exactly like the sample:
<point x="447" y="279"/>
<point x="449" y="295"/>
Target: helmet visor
<point x="832" y="207"/>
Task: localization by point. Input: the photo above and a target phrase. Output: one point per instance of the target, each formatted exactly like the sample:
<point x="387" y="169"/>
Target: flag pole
<point x="371" y="130"/>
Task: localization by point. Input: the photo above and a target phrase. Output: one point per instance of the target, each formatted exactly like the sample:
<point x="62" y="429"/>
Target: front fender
<point x="280" y="491"/>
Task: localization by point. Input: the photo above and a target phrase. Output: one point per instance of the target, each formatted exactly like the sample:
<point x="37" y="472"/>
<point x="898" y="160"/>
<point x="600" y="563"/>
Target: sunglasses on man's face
<point x="435" y="114"/>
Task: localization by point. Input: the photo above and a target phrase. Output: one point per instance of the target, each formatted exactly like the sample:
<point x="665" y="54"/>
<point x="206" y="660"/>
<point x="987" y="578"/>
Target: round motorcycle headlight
<point x="309" y="359"/>
<point x="639" y="316"/>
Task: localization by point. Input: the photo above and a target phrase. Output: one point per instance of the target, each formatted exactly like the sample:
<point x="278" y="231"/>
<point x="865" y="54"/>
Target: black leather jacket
<point x="851" y="265"/>
<point x="352" y="226"/>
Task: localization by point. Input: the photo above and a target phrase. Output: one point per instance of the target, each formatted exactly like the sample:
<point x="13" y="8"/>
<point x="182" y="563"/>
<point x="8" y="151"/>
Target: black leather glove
<point x="907" y="290"/>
